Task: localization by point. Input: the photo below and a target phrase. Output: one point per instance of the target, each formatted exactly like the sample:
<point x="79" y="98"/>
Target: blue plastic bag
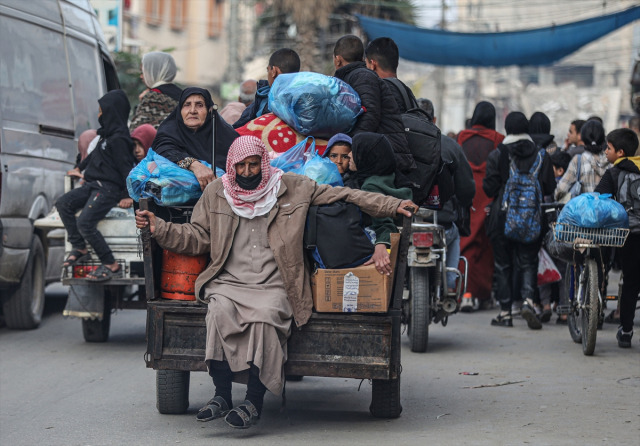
<point x="315" y="104"/>
<point x="158" y="178"/>
<point x="592" y="210"/>
<point x="292" y="159"/>
<point x="321" y="170"/>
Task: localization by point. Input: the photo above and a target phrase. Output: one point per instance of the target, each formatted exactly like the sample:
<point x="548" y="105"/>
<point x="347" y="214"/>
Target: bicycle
<point x="584" y="306"/>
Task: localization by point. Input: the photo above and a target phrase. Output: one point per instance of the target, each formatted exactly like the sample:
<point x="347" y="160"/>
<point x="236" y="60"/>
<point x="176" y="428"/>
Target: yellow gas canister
<point x="179" y="274"/>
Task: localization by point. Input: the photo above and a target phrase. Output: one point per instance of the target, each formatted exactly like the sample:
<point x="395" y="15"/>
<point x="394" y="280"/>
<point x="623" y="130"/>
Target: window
<point x="216" y="16"/>
<point x="155" y="8"/>
<point x="87" y="83"/>
<point x="582" y="76"/>
<point x="178" y="14"/>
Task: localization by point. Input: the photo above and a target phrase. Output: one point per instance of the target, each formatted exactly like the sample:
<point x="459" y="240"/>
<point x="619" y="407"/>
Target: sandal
<point x="103" y="274"/>
<point x="611" y="319"/>
<point x="78" y="257"/>
<point x="247" y="413"/>
<point x="217" y="407"/>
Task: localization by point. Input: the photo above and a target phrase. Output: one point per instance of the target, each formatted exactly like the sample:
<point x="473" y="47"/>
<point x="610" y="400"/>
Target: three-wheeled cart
<point x="361" y="346"/>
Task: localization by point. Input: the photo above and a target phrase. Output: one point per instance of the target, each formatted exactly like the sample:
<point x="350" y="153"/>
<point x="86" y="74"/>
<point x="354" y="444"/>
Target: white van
<point x="54" y="65"/>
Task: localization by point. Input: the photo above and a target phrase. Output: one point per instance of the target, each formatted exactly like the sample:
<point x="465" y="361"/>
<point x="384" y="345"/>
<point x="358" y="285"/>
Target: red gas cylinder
<point x="179" y="274"/>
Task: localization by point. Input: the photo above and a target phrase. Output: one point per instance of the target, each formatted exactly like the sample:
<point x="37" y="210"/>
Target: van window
<point x="77" y="18"/>
<point x="34" y="85"/>
<point x="84" y="63"/>
<point x="111" y="77"/>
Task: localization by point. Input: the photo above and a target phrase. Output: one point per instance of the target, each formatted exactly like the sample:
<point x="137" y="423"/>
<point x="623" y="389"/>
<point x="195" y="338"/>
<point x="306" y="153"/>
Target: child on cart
<point x="622" y="181"/>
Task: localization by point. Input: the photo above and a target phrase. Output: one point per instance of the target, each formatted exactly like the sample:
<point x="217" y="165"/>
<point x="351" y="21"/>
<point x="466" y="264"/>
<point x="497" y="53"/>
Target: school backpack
<point x="335" y="236"/>
<point x="521" y="203"/>
<point x="432" y="181"/>
<point x="629" y="197"/>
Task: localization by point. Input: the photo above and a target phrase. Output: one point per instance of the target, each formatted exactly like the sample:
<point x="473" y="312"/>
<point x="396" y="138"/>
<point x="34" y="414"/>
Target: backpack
<point x="521" y="202"/>
<point x="335" y="236"/>
<point x="629" y="196"/>
<point x="432" y="181"/>
<point x="576" y="189"/>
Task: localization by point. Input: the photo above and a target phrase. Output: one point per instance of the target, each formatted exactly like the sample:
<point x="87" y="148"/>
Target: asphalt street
<point x="55" y="389"/>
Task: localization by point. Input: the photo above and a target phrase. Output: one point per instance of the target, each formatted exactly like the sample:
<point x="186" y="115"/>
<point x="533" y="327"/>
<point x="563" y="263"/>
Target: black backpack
<point x="629" y="196"/>
<point x="433" y="180"/>
<point x="335" y="237"/>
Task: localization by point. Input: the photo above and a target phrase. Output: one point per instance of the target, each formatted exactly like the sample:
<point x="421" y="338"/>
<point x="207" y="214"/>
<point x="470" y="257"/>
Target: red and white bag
<point x="547" y="270"/>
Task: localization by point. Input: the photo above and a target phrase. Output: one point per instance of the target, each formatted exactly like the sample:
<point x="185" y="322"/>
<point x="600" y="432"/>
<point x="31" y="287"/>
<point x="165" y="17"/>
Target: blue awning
<point x="530" y="47"/>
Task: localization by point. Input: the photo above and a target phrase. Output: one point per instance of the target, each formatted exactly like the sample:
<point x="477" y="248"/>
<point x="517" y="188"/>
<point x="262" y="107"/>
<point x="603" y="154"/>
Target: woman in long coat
<point x="251" y="221"/>
<point x="477" y="142"/>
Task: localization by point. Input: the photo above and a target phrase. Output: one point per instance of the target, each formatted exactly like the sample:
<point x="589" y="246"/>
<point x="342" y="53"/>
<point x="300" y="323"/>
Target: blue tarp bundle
<point x="530" y="47"/>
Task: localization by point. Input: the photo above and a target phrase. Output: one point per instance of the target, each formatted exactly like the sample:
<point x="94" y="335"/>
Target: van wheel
<point x="96" y="330"/>
<point x="23" y="309"/>
<point x="172" y="391"/>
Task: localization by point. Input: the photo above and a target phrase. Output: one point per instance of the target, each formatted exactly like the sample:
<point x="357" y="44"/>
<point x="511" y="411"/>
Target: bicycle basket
<point x="597" y="236"/>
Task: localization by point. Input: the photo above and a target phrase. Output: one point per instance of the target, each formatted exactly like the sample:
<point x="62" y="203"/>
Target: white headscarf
<point x="158" y="68"/>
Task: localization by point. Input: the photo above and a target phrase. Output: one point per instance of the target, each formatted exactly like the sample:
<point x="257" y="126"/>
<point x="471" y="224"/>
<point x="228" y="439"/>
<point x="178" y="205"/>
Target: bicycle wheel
<point x="591" y="311"/>
<point x="573" y="319"/>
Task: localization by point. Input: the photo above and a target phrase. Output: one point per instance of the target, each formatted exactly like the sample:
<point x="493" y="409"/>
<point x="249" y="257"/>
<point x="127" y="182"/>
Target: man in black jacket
<point x="105" y="175"/>
<point x="453" y="155"/>
<point x="282" y="61"/>
<point x="382" y="57"/>
<point x="510" y="257"/>
<point x="381" y="110"/>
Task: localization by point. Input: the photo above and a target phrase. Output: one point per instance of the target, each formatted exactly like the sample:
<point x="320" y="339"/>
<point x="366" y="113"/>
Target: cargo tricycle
<point x="338" y="345"/>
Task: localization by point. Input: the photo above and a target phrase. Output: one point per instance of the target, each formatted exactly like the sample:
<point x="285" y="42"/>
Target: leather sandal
<point x="103" y="274"/>
<point x="247" y="413"/>
<point x="77" y="257"/>
<point x="216" y="408"/>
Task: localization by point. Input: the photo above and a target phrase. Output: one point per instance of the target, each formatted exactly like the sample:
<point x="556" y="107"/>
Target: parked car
<point x="54" y="65"/>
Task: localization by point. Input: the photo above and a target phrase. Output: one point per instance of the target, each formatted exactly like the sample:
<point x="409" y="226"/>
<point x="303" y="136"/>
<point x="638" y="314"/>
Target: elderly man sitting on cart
<point x="252" y="221"/>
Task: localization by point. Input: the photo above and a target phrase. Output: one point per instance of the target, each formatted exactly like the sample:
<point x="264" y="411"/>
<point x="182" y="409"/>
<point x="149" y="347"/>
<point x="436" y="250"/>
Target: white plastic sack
<point x="547" y="271"/>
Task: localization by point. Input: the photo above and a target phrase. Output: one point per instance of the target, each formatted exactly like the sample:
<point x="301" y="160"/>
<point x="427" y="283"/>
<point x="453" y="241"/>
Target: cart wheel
<point x="96" y="330"/>
<point x="172" y="391"/>
<point x="385" y="398"/>
<point x="420" y="312"/>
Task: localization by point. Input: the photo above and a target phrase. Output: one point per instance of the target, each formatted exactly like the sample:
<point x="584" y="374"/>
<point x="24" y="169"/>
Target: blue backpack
<point x="521" y="202"/>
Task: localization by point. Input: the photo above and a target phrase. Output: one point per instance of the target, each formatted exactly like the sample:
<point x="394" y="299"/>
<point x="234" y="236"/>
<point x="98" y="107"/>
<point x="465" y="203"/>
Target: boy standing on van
<point x="622" y="181"/>
<point x="105" y="174"/>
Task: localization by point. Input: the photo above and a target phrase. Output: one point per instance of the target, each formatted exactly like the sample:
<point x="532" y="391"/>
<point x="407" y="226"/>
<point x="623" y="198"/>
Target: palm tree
<point x="312" y="27"/>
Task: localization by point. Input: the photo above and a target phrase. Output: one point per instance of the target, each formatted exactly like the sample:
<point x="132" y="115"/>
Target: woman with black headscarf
<point x="477" y="143"/>
<point x="374" y="165"/>
<point x="105" y="175"/>
<point x="540" y="132"/>
<point x="186" y="136"/>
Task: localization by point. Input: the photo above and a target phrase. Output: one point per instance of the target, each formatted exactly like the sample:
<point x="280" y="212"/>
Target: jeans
<point x="516" y="270"/>
<point x="630" y="281"/>
<point x="95" y="200"/>
<point x="453" y="253"/>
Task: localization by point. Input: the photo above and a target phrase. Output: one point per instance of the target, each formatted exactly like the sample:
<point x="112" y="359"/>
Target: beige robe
<point x="249" y="316"/>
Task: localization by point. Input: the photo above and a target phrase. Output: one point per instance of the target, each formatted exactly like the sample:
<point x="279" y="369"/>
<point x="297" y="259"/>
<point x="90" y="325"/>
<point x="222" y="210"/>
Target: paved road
<point x="57" y="390"/>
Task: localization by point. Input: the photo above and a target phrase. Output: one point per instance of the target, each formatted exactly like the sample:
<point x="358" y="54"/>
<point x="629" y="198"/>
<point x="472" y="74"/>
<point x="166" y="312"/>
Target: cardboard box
<point x="361" y="289"/>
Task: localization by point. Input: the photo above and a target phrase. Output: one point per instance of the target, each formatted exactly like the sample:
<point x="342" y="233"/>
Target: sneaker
<point x="487" y="304"/>
<point x="502" y="321"/>
<point x="624" y="339"/>
<point x="466" y="306"/>
<point x="561" y="321"/>
<point x="529" y="315"/>
<point x="516" y="308"/>
<point x="546" y="315"/>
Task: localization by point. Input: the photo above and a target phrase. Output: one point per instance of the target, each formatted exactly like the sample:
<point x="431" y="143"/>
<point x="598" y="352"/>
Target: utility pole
<point x="233" y="72"/>
<point x="440" y="73"/>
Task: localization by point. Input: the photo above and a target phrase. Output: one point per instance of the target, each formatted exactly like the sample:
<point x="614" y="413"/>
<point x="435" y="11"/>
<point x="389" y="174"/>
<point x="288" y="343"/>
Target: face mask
<point x="250" y="182"/>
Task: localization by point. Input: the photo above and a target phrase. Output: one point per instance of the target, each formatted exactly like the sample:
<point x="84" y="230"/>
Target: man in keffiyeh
<point x="251" y="221"/>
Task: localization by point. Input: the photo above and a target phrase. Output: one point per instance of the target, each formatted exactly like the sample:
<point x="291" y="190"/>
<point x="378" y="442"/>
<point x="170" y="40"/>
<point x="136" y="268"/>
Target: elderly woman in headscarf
<point x="251" y="221"/>
<point x="162" y="95"/>
<point x="186" y="136"/>
<point x="477" y="143"/>
<point x="540" y="132"/>
<point x="373" y="167"/>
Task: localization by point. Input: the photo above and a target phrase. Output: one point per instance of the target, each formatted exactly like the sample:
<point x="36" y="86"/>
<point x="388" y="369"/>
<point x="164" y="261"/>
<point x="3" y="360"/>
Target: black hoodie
<point x="112" y="159"/>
